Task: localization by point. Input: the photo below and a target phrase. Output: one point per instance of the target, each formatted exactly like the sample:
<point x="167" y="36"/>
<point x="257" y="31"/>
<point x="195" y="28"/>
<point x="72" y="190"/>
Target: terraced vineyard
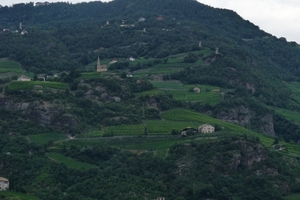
<point x="25" y="85"/>
<point x="290" y="115"/>
<point x="166" y="126"/>
<point x="9" y="66"/>
<point x="208" y="95"/>
<point x="171" y="64"/>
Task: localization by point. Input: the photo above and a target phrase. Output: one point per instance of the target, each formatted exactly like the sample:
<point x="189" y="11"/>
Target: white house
<point x="141" y="19"/>
<point x="197" y="89"/>
<point x="113" y="61"/>
<point x="131" y="58"/>
<point x="206" y="128"/>
<point x="24" y="78"/>
<point x="4" y="183"/>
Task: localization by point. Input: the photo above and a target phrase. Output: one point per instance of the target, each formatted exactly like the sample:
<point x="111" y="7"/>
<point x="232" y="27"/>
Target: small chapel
<point x="101" y="68"/>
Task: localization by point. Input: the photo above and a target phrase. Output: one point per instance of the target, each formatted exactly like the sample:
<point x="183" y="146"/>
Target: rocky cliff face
<point x="240" y="115"/>
<point x="45" y="113"/>
<point x="244" y="116"/>
<point x="248" y="155"/>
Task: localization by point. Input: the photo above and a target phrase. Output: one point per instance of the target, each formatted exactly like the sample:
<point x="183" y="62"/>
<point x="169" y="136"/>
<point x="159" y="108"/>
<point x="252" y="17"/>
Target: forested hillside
<point x="130" y="130"/>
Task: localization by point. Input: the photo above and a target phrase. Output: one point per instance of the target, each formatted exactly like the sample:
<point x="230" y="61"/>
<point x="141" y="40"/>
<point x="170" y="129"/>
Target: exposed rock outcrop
<point x="243" y="116"/>
<point x="248" y="155"/>
<point x="44" y="113"/>
<point x="240" y="115"/>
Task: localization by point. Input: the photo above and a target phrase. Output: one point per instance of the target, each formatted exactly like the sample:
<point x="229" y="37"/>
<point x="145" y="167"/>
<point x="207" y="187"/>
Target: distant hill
<point x="172" y="65"/>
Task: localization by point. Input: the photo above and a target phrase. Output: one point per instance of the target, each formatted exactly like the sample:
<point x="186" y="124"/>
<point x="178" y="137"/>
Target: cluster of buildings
<point x="103" y="68"/>
<point x="204" y="128"/>
<point x="42" y="3"/>
<point x="23" y="32"/>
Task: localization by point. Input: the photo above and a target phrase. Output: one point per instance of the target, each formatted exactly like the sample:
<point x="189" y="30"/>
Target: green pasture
<point x="45" y="138"/>
<point x="9" y="66"/>
<point x="122" y="130"/>
<point x="154" y="127"/>
<point x="165" y="126"/>
<point x="176" y="85"/>
<point x="183" y="93"/>
<point x="157" y="145"/>
<point x="129" y="130"/>
<point x="295" y="87"/>
<point x="295" y="196"/>
<point x="70" y="162"/>
<point x="174" y="64"/>
<point x="16" y="196"/>
<point x="290" y="115"/>
<point x="25" y="85"/>
<point x="156" y="70"/>
<point x="291" y="149"/>
<point x="122" y="142"/>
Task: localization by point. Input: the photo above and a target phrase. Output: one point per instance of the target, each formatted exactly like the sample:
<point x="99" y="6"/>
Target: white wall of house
<point x="206" y="128"/>
<point x="4" y="184"/>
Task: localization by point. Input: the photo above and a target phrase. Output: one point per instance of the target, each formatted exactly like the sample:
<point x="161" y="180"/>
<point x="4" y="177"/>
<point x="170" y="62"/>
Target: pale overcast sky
<point x="277" y="17"/>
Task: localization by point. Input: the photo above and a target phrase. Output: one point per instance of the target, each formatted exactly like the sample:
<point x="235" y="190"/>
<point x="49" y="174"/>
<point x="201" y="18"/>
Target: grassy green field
<point x="9" y="66"/>
<point x="131" y="143"/>
<point x="25" y="85"/>
<point x="295" y="88"/>
<point x="290" y="115"/>
<point x="208" y="94"/>
<point x="45" y="138"/>
<point x="174" y="63"/>
<point x="166" y="126"/>
<point x="154" y="127"/>
<point x="70" y="162"/>
<point x="16" y="196"/>
<point x="136" y="130"/>
<point x="295" y="196"/>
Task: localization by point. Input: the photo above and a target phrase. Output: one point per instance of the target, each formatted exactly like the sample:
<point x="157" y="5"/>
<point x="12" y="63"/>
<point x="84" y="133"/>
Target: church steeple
<point x="101" y="68"/>
<point x="98" y="63"/>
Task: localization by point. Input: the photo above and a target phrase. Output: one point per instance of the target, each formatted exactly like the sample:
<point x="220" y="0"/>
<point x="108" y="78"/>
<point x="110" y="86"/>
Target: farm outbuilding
<point x="188" y="130"/>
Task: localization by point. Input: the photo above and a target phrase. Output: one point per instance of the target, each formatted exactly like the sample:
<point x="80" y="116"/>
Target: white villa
<point x="206" y="128"/>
